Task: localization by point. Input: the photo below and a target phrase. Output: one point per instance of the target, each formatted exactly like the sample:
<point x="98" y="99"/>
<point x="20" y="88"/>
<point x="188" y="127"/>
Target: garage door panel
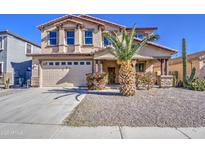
<point x="72" y="75"/>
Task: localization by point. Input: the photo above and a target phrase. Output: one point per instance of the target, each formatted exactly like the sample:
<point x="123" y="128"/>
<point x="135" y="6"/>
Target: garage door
<point x="65" y="73"/>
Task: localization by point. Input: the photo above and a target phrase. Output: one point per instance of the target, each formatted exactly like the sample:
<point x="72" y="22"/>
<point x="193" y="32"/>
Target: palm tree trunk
<point x="127" y="79"/>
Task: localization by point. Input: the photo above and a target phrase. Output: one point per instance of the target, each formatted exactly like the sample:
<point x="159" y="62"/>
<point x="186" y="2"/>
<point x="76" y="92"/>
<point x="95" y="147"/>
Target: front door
<point x="111" y="75"/>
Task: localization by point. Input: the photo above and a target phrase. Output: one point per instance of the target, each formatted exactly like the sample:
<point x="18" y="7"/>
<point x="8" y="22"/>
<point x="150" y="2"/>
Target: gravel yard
<point x="173" y="107"/>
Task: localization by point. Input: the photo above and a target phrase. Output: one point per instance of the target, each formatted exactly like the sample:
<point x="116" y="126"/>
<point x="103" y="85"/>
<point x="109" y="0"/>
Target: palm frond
<point x="123" y="47"/>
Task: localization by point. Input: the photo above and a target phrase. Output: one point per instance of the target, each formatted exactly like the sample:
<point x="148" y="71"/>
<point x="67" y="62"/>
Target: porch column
<point x="96" y="66"/>
<point x="99" y="66"/>
<point x="162" y="66"/>
<point x="166" y="67"/>
<point x="134" y="64"/>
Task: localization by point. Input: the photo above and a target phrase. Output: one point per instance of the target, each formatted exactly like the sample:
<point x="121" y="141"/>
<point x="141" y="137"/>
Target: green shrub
<point x="196" y="84"/>
<point x="96" y="81"/>
<point x="145" y="80"/>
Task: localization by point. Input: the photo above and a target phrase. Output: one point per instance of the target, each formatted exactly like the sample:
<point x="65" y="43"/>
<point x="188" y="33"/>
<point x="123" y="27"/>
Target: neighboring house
<point x="14" y="64"/>
<point x="73" y="46"/>
<point x="196" y="60"/>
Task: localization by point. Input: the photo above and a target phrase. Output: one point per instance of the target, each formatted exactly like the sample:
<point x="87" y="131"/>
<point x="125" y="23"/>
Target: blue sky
<point x="171" y="28"/>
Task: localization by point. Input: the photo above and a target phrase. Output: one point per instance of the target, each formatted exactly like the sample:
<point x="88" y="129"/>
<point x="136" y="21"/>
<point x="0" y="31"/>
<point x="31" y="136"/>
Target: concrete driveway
<point x="39" y="105"/>
<point x="39" y="113"/>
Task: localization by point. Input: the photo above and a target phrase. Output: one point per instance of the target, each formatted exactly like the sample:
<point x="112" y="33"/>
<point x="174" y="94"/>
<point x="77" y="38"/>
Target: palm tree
<point x="124" y="48"/>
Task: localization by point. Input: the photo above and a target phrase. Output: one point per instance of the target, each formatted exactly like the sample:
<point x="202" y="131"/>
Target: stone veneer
<point x="166" y="81"/>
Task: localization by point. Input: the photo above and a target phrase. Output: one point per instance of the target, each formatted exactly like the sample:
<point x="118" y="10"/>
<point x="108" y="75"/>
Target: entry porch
<point x="111" y="67"/>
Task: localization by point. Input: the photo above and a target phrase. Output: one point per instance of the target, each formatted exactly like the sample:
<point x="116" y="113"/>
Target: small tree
<point x="124" y="48"/>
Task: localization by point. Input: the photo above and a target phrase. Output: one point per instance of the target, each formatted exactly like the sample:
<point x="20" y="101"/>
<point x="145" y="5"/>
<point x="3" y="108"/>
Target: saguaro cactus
<point x="191" y="78"/>
<point x="184" y="61"/>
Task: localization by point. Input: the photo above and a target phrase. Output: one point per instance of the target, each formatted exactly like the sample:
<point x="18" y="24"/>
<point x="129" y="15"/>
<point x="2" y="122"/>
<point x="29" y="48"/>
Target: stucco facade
<point x="92" y="58"/>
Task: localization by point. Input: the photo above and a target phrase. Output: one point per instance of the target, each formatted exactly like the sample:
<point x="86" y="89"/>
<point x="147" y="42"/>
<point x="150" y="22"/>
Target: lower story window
<point x="75" y="63"/>
<point x="88" y="63"/>
<point x="69" y="63"/>
<point x="63" y="63"/>
<point x="50" y="63"/>
<point x="57" y="63"/>
<point x="140" y="67"/>
<point x="82" y="63"/>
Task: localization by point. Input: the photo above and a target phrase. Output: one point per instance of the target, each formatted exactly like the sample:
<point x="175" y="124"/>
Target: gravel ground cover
<point x="173" y="107"/>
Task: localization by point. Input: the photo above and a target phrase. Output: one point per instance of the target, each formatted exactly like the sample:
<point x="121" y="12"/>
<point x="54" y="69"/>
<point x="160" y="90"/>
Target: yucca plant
<point x="124" y="48"/>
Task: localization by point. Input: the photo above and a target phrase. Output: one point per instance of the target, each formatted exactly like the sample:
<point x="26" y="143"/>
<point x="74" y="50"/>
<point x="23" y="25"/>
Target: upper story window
<point x="140" y="67"/>
<point x="1" y="43"/>
<point x="88" y="38"/>
<point x="70" y="37"/>
<point x="53" y="38"/>
<point x="140" y="36"/>
<point x="29" y="48"/>
<point x="106" y="41"/>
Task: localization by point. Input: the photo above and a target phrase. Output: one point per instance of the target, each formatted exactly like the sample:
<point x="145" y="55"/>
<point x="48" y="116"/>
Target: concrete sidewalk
<point x="44" y="131"/>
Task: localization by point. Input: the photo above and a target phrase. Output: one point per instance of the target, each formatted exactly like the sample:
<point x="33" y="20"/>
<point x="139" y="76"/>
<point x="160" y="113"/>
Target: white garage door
<point x="65" y="73"/>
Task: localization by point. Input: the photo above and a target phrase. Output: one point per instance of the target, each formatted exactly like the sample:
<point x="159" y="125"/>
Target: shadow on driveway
<point x="80" y="91"/>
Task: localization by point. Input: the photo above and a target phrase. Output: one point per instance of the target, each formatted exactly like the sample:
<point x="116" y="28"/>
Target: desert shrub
<point x="138" y="80"/>
<point x="7" y="83"/>
<point x="179" y="83"/>
<point x="196" y="84"/>
<point x="175" y="81"/>
<point x="96" y="81"/>
<point x="145" y="80"/>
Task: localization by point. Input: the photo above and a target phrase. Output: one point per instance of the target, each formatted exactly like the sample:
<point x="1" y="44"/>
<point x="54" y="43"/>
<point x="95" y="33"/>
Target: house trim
<point x="2" y="43"/>
<point x="26" y="43"/>
<point x="2" y="68"/>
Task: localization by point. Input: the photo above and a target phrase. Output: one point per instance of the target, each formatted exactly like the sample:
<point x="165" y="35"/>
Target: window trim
<point x="49" y="43"/>
<point x="82" y="63"/>
<point x="75" y="63"/>
<point x="70" y="37"/>
<point x="2" y="43"/>
<point x="104" y="42"/>
<point x="62" y="63"/>
<point x="51" y="62"/>
<point x="57" y="62"/>
<point x="86" y="37"/>
<point x="140" y="35"/>
<point x="88" y="63"/>
<point x="2" y="68"/>
<point x="70" y="63"/>
<point x="144" y="67"/>
<point x="26" y="43"/>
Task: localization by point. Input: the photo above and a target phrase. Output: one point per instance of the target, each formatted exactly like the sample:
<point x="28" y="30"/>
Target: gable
<point x="148" y="52"/>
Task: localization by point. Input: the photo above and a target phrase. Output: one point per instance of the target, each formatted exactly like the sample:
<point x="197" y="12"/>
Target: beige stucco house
<point x="73" y="46"/>
<point x="196" y="60"/>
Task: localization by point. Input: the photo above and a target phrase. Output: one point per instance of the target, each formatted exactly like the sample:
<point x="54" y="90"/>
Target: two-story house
<point x="14" y="64"/>
<point x="73" y="46"/>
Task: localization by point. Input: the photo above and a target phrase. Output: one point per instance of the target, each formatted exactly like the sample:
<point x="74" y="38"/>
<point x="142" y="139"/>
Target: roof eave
<point x="159" y="46"/>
